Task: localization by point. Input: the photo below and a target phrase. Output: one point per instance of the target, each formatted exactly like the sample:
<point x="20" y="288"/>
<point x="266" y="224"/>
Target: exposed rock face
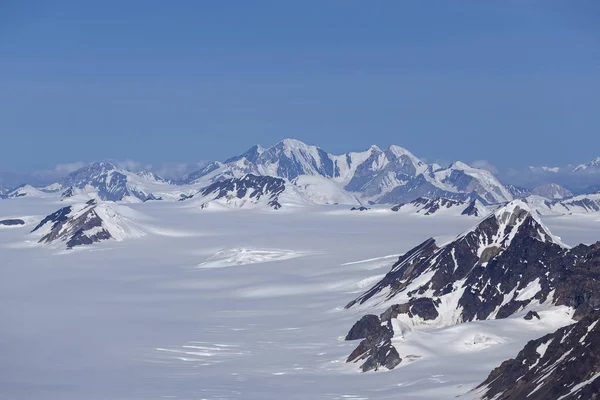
<point x="250" y="188"/>
<point x="362" y="208"/>
<point x="376" y="349"/>
<point x="12" y="222"/>
<point x="366" y="325"/>
<point x="510" y="262"/>
<point x="564" y="364"/>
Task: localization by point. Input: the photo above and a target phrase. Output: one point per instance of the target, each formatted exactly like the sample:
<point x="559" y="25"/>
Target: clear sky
<point x="513" y="82"/>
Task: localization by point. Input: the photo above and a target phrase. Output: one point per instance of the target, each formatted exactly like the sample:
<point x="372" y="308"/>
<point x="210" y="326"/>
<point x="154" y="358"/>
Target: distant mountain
<point x="441" y="206"/>
<point x="591" y="165"/>
<point x="103" y="180"/>
<point x="562" y="365"/>
<point x="551" y="191"/>
<point x="573" y="205"/>
<point x="84" y="224"/>
<point x="518" y="192"/>
<point x="509" y="263"/>
<point x="249" y="191"/>
<point x="24" y="190"/>
<point x="386" y="176"/>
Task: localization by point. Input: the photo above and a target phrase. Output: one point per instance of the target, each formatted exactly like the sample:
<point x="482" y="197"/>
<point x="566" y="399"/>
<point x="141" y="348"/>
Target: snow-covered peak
<point x="293" y="144"/>
<point x="518" y="215"/>
<point x="400" y="151"/>
<point x="460" y="165"/>
<point x="595" y="163"/>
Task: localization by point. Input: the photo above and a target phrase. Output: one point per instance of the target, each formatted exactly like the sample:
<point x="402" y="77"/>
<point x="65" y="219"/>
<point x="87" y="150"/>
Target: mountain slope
<point x="562" y="365"/>
<point x="508" y="263"/>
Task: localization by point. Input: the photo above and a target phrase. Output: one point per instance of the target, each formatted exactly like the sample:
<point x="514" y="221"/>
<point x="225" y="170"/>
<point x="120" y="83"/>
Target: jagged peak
<point x="513" y="215"/>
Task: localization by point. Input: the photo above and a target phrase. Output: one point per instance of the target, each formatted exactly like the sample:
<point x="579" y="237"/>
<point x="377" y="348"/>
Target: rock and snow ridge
<point x="442" y="205"/>
<point x="560" y="365"/>
<point x="249" y="191"/>
<point x="508" y="263"/>
<point x="84" y="224"/>
<point x="581" y="204"/>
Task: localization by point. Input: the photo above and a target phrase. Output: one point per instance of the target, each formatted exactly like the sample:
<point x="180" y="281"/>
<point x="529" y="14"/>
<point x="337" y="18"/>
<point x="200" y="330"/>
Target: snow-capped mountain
<point x="440" y="206"/>
<point x="551" y="191"/>
<point x="103" y="180"/>
<point x="83" y="224"/>
<point x="390" y="176"/>
<point x="509" y="263"/>
<point x="560" y="365"/>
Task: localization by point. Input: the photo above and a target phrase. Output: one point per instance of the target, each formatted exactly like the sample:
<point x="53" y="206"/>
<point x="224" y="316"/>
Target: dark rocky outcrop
<point x="12" y="222"/>
<point x="362" y="208"/>
<point x="363" y="327"/>
<point x="531" y="315"/>
<point x="472" y="209"/>
<point x="564" y="364"/>
<point x="376" y="349"/>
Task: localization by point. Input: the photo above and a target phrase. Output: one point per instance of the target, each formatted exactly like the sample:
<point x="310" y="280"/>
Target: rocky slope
<point x="562" y="365"/>
<point x="84" y="224"/>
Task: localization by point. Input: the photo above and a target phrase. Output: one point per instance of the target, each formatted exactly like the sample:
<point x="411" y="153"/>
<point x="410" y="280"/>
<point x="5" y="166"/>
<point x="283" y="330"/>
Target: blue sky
<point x="513" y="82"/>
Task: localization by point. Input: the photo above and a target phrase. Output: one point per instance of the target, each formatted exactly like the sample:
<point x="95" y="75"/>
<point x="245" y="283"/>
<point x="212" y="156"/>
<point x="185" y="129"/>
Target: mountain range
<point x="311" y="175"/>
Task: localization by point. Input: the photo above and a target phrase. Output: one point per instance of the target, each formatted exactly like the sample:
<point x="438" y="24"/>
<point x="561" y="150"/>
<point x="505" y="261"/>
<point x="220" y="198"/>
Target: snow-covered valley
<point x="235" y="304"/>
